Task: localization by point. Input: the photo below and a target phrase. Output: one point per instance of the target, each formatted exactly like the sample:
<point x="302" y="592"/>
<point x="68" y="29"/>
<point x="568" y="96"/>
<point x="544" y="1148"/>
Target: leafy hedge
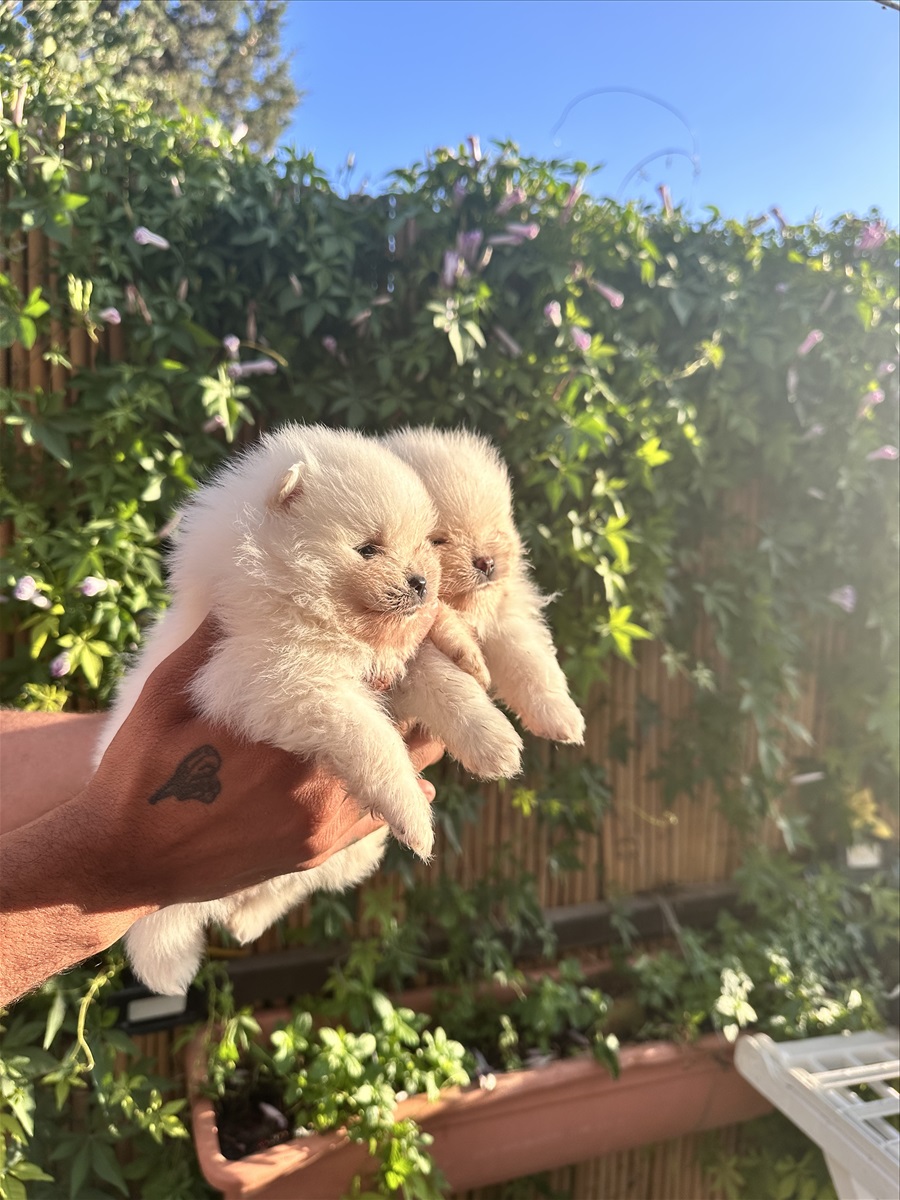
<point x="642" y="372"/>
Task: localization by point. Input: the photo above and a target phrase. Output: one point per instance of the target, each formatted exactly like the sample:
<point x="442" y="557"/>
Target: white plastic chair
<point x="815" y="1082"/>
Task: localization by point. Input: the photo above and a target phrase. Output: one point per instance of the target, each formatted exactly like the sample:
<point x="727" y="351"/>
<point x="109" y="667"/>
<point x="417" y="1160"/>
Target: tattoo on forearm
<point x="195" y="778"/>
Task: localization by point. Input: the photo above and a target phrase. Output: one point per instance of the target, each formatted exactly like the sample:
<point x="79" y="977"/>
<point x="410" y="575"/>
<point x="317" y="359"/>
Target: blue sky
<point x="789" y="102"/>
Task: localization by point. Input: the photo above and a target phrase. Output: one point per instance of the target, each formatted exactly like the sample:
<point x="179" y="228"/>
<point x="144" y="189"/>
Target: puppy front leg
<point x="454" y="638"/>
<point x="369" y="755"/>
<point x="521" y="658"/>
<point x="337" y="721"/>
<point x="452" y="707"/>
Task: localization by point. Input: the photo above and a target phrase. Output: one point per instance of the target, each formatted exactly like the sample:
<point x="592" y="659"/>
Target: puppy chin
<point x="396" y="631"/>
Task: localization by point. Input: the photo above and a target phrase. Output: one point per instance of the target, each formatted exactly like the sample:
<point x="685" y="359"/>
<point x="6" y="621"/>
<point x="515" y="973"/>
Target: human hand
<point x="195" y="812"/>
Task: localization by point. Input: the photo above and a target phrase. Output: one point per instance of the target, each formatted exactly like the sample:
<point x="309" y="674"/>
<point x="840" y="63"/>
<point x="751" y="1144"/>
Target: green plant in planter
<point x="319" y="1077"/>
<point x="545" y="1018"/>
<point x="818" y="956"/>
<point x="324" y="1078"/>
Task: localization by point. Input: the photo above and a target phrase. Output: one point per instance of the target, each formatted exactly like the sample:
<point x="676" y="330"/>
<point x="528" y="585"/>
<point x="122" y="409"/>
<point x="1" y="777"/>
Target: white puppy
<point x="484" y="575"/>
<point x="313" y="551"/>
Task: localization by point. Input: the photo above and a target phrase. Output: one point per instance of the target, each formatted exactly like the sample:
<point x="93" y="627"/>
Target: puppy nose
<point x="418" y="585"/>
<point x="485" y="566"/>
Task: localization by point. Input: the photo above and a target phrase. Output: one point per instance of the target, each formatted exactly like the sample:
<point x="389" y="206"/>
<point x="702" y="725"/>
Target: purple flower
<point x="812" y="339"/>
<point x="615" y="298"/>
<point x="468" y="245"/>
<point x="781" y="288"/>
<point x="452" y="268"/>
<point x="886" y="368"/>
<point x="111" y="316"/>
<point x="844" y="597"/>
<point x="814" y="431"/>
<point x="511" y="200"/>
<point x="259" y="366"/>
<point x="39" y="600"/>
<point x="474" y="148"/>
<point x="18" y="111"/>
<point x="581" y="339"/>
<point x="525" y="232"/>
<point x="144" y="237"/>
<point x="459" y="191"/>
<point x="61" y="665"/>
<point x="869" y="400"/>
<point x="574" y="193"/>
<point x="92" y="586"/>
<point x="666" y="196"/>
<point x="553" y="313"/>
<point x="888" y="453"/>
<point x="873" y="236"/>
<point x="213" y="424"/>
<point x="25" y="588"/>
<point x="232" y="345"/>
<point x="330" y="344"/>
<point x="509" y="344"/>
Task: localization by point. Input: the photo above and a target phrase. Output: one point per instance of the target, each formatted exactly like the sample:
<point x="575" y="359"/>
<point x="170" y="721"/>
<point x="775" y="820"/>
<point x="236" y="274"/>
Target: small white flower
<point x="844" y="598"/>
<point x="91" y="585"/>
<point x="60" y="665"/>
<point x="259" y="366"/>
<point x="144" y="237"/>
<point x="25" y="588"/>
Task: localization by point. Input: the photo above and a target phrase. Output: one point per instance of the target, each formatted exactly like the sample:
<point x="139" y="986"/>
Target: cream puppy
<point x="484" y="575"/>
<point x="314" y="551"/>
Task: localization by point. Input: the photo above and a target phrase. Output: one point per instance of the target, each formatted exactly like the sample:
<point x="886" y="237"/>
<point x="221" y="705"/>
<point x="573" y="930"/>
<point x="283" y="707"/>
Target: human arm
<point x="134" y="839"/>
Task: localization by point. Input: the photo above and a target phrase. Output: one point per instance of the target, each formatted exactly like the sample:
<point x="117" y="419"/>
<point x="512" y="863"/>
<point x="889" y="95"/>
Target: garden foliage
<point x="652" y="381"/>
<point x="700" y="418"/>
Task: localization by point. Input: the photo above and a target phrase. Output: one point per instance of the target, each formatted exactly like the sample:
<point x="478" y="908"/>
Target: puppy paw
<point x="487" y="745"/>
<point x="557" y="719"/>
<point x="410" y="822"/>
<point x="248" y="925"/>
<point x="471" y="660"/>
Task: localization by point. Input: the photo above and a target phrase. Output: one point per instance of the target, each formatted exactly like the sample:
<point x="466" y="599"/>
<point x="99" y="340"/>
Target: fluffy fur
<point x="484" y="576"/>
<point x="314" y="631"/>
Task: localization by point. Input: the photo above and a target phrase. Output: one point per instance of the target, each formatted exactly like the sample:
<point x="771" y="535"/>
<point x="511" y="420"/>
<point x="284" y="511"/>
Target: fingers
<point x="423" y="749"/>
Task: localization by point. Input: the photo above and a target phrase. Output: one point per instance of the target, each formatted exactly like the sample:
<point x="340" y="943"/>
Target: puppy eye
<point x="369" y="550"/>
<point x="439" y="541"/>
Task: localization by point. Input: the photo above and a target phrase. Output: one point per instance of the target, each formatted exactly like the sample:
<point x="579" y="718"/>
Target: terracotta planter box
<point x="531" y="1121"/>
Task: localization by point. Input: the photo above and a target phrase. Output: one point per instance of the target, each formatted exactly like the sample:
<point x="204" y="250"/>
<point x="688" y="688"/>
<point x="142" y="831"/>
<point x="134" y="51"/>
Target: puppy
<point x="313" y="551"/>
<point x="484" y="576"/>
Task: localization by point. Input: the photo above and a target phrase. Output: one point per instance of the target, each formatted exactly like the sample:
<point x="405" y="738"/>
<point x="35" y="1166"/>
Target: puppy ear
<point x="288" y="489"/>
